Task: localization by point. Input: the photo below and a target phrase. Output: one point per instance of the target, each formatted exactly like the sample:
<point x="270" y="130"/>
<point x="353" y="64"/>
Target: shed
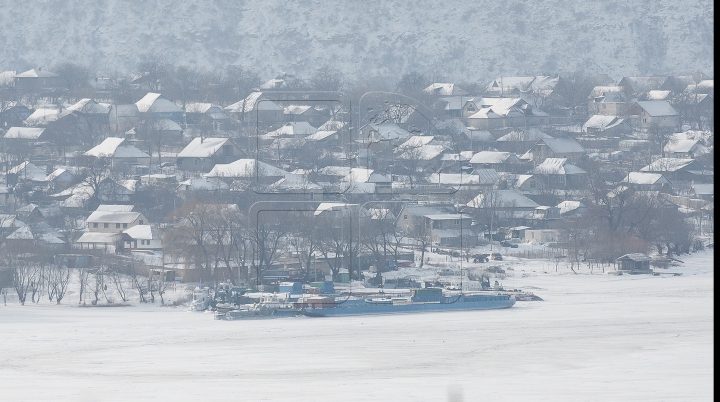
<point x="634" y="263"/>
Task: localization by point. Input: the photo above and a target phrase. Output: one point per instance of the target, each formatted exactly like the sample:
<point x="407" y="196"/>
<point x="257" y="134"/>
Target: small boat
<point x="270" y="306"/>
<point x="201" y="299"/>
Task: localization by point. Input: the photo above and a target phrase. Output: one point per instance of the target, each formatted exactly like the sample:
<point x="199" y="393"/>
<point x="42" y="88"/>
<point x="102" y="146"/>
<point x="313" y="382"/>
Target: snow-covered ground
<point x="596" y="337"/>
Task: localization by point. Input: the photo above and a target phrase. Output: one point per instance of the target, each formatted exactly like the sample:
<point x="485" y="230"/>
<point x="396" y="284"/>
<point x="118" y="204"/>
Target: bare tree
<point x="58" y="282"/>
<point x="25" y="276"/>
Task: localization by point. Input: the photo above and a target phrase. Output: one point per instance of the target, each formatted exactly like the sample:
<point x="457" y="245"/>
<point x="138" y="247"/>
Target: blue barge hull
<point x="458" y="303"/>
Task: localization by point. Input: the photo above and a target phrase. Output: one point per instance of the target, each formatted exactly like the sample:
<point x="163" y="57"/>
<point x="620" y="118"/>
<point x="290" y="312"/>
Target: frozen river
<point x="594" y="338"/>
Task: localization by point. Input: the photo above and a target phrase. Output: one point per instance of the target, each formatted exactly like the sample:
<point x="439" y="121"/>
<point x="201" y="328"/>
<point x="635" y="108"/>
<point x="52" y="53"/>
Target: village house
<point x="114" y="219"/>
<point x="256" y="109"/>
<point x="608" y="101"/>
<point x="654" y="115"/>
<point x="647" y="181"/>
<point x="37" y="80"/>
<point x="444" y="89"/>
<point x="499" y="161"/>
<point x="154" y="106"/>
<point x="606" y="126"/>
<point x="205" y="113"/>
<point x="142" y="237"/>
<point x="559" y="173"/>
<point x="14" y="114"/>
<point x="201" y="154"/>
<point x="520" y="139"/>
<point x="558" y="148"/>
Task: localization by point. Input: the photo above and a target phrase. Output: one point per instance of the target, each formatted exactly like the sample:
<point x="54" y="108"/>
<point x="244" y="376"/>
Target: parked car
<point x="506" y="243"/>
<point x="481" y="257"/>
<point x="496" y="256"/>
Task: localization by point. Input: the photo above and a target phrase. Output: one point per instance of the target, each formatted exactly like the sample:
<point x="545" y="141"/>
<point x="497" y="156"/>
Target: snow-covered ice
<point x="595" y="337"/>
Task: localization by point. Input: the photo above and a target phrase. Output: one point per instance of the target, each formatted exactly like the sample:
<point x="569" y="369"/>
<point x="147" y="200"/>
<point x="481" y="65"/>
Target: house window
<point x="141" y="221"/>
<point x="124" y="225"/>
<point x="95" y="225"/>
<point x="106" y="225"/>
<point x="117" y="226"/>
<point x="405" y="217"/>
<point x="644" y="120"/>
<point x="142" y="242"/>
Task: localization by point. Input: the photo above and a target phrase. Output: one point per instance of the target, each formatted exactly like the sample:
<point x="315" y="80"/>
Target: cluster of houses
<point x="513" y="154"/>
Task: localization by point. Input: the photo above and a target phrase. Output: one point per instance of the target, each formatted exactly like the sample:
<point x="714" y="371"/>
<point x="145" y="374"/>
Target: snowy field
<point x="595" y="337"/>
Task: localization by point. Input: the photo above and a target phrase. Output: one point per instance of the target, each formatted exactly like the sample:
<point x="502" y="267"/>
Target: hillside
<point x="458" y="41"/>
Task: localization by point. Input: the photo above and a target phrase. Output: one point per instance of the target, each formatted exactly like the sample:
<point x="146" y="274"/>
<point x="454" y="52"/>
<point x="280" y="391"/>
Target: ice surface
<point x="596" y="337"/>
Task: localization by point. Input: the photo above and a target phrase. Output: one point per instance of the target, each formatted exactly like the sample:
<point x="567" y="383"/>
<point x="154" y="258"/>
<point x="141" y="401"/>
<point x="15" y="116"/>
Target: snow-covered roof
<point x="294" y="182"/>
<point x="685" y="146"/>
<point x="338" y="171"/>
<point x="25" y="133"/>
<point x="25" y="233"/>
<point x="245" y="168"/>
<point x="635" y="257"/>
<point x="115" y="147"/>
<point x="296" y="109"/>
<point x="444" y="89"/>
<point x="415" y="141"/>
<point x="27" y="170"/>
<point x="36" y="73"/>
<point x="657" y="108"/>
<point x="320" y="135"/>
<point x="293" y="128"/>
<point x="388" y="131"/>
<point x="602" y="122"/>
<point x="504" y="107"/>
<point x="42" y="116"/>
<point x="59" y="172"/>
<point x="527" y="156"/>
<point x="524" y="135"/>
<point x="88" y="106"/>
<point x="333" y="206"/>
<point x="602" y="90"/>
<point x="657" y="94"/>
<point x="204" y="183"/>
<point x="156" y="103"/>
<point x="202" y="148"/>
<point x="362" y="175"/>
<point x="99" y="237"/>
<point x="423" y="153"/>
<point x="166" y="125"/>
<point x="504" y="198"/>
<point x="557" y="166"/>
<point x="569" y="206"/>
<point x="247" y="105"/>
<point x="667" y="165"/>
<point x="332" y="125"/>
<point x="113" y="217"/>
<point x="494" y="157"/>
<point x="563" y="145"/>
<point x="114" y="208"/>
<point x="145" y="232"/>
<point x="454" y="179"/>
<point x="645" y="178"/>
